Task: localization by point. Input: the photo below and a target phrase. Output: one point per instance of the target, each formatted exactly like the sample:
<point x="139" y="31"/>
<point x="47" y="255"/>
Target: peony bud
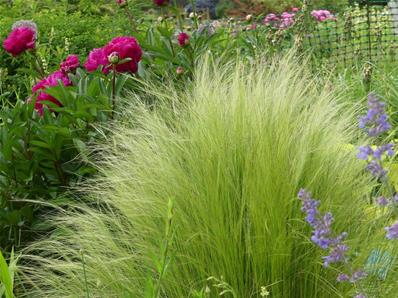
<point x="183" y="39"/>
<point x="180" y="70"/>
<point x="121" y="3"/>
<point x="114" y="58"/>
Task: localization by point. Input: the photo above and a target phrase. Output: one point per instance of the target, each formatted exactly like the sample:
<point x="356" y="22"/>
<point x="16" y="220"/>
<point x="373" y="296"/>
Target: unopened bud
<point x="249" y="17"/>
<point x="114" y="58"/>
<point x="180" y="70"/>
<point x="121" y="3"/>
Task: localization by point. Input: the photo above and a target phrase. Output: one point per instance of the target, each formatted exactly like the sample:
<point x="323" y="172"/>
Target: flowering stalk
<point x="375" y="123"/>
<point x="322" y="236"/>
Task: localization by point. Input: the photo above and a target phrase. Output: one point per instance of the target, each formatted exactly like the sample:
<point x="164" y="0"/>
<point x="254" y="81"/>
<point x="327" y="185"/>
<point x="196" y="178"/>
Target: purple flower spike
<point x="337" y="255"/>
<point x="392" y="231"/>
<point x="376" y="119"/>
<point x="376" y="169"/>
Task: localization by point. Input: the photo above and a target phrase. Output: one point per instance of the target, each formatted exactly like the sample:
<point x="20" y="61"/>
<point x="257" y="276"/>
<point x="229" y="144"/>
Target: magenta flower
<point x="127" y="49"/>
<point x="183" y="39"/>
<point x="295" y="9"/>
<point x="96" y="58"/>
<point x="160" y="2"/>
<point x="19" y="40"/>
<point x="121" y="3"/>
<point x="70" y="64"/>
<point x="51" y="81"/>
<point x="323" y="15"/>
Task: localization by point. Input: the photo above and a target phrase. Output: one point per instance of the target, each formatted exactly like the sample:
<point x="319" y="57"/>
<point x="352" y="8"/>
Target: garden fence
<point x="366" y="33"/>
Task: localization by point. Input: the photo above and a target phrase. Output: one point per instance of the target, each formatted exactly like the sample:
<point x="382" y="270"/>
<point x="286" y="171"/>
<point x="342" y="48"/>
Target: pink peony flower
<point x="287" y="19"/>
<point x="183" y="39"/>
<point x="295" y="9"/>
<point x="70" y="64"/>
<point x="124" y="47"/>
<point x="160" y="2"/>
<point x="270" y="19"/>
<point x="19" y="40"/>
<point x="127" y="48"/>
<point x="51" y="81"/>
<point x="96" y="58"/>
<point x="283" y="21"/>
<point x="323" y="15"/>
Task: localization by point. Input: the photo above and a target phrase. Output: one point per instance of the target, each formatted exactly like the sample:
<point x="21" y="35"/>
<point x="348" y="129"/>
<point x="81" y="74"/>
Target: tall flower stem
<point x="193" y="4"/>
<point x="37" y="65"/>
<point x="178" y="16"/>
<point x="131" y="18"/>
<point x="113" y="89"/>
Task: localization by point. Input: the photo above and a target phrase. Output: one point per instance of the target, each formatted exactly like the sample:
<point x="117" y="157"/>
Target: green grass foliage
<point x="231" y="155"/>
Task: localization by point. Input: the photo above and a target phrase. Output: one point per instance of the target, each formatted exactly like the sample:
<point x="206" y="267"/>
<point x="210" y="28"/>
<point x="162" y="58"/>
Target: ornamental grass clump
<point x="230" y="153"/>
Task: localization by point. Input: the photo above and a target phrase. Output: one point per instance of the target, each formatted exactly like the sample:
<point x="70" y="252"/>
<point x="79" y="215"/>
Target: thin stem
<point x="37" y="65"/>
<point x="113" y="90"/>
<point x="166" y="247"/>
<point x="131" y="18"/>
<point x="193" y="4"/>
<point x="85" y="275"/>
<point x="60" y="172"/>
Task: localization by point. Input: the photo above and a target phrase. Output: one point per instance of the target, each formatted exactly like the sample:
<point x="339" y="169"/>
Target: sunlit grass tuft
<point x="231" y="154"/>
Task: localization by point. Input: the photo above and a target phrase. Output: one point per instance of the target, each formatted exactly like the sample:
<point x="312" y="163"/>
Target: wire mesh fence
<point x="366" y="33"/>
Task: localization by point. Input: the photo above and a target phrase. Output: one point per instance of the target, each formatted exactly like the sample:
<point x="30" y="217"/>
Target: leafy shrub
<point x="231" y="160"/>
<point x="42" y="156"/>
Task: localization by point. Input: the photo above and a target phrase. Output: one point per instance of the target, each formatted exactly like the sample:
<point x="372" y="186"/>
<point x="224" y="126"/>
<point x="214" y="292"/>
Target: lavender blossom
<point x="360" y="296"/>
<point x="392" y="231"/>
<point x="337" y="255"/>
<point x="343" y="277"/>
<point x="320" y="224"/>
<point x="395" y="199"/>
<point x="374" y="158"/>
<point x="321" y="234"/>
<point x="365" y="152"/>
<point x="376" y="119"/>
<point x="386" y="148"/>
<point x="358" y="275"/>
<point x="376" y="169"/>
<point x="382" y="201"/>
